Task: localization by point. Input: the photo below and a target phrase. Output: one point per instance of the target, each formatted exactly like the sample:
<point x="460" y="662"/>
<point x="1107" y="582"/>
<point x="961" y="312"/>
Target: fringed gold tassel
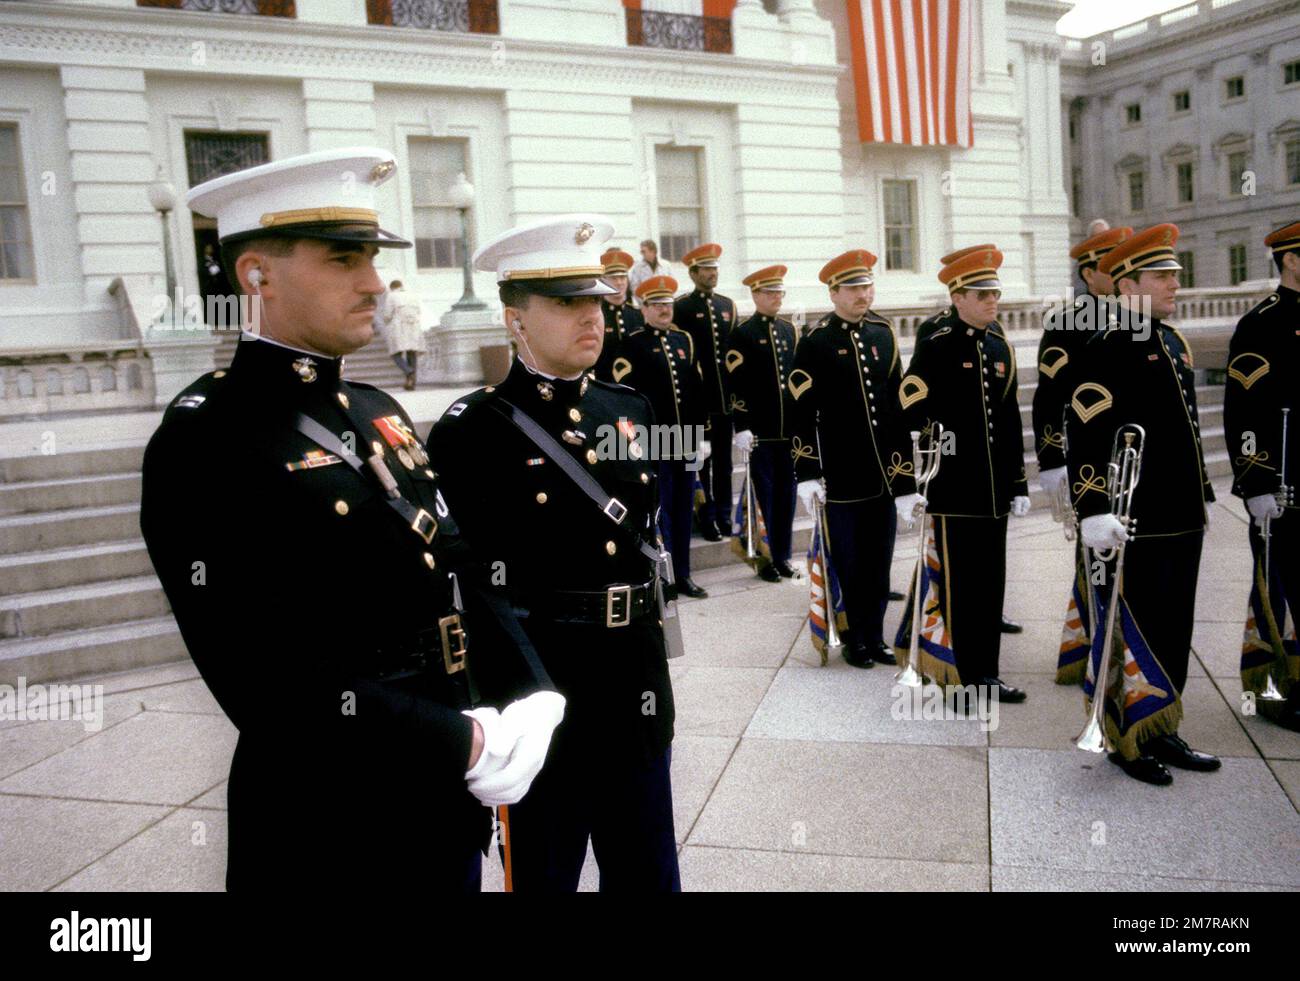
<point x="939" y="670"/>
<point x="1163" y="723"/>
<point x="1072" y="674"/>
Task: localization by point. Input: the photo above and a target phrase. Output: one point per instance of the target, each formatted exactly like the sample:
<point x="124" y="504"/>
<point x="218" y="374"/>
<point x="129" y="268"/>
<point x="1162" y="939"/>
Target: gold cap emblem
<point x="380" y="171"/>
<point x="585" y="231"/>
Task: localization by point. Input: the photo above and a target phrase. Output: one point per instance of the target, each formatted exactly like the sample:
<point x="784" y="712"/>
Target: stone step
<point x="51" y="611"/>
<point x="74" y="526"/>
<point x="74" y="565"/>
<point x="94" y="651"/>
<point x="79" y="463"/>
<point x="64" y="493"/>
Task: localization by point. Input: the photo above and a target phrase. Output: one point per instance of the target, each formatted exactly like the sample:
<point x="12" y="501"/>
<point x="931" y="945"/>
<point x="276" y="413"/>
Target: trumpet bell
<point x="909" y="677"/>
<point x="1270" y="692"/>
<point x="1093" y="737"/>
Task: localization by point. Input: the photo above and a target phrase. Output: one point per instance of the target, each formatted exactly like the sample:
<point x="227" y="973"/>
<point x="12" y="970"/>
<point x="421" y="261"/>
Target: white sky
<point x="1091" y="17"/>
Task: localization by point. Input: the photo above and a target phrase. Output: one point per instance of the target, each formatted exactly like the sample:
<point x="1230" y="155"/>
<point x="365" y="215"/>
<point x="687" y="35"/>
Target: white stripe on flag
<point x="962" y="100"/>
<point x="913" y="77"/>
<point x="894" y="94"/>
<point x="874" y="73"/>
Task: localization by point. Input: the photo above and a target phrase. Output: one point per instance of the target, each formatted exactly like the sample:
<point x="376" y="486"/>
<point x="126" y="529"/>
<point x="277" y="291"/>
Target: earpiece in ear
<point x="517" y="325"/>
<point x="255" y="277"/>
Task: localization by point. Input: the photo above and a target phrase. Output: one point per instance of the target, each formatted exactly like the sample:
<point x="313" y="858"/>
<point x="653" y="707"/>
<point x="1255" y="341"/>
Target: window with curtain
<point x="899" y="199"/>
<point x="434" y="165"/>
<point x="1236" y="264"/>
<point x="681" y="201"/>
<point x="16" y="261"/>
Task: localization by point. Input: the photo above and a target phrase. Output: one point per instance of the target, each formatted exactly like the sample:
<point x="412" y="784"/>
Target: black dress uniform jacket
<point x="848" y="427"/>
<point x="660" y="364"/>
<point x="297" y="589"/>
<point x="759" y="359"/>
<point x="1263" y="372"/>
<point x="539" y="533"/>
<point x="1126" y="379"/>
<point x="709" y="320"/>
<point x="965" y="378"/>
<point x="620" y="322"/>
<point x="1060" y="353"/>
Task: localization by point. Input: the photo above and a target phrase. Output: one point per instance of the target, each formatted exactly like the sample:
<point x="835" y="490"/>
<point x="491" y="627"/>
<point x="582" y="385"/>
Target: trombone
<point x="1121" y="481"/>
<point x="1284" y="493"/>
<point x="925" y="464"/>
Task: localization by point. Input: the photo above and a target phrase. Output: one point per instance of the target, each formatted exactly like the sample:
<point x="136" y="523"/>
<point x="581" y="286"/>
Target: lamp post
<point x="461" y="195"/>
<point x="162" y="196"/>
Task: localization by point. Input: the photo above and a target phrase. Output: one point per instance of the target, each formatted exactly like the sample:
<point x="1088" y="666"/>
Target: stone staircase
<point x="77" y="591"/>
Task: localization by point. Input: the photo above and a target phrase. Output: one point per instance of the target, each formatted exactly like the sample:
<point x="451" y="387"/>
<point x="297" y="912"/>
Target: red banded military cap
<point x="1092" y="249"/>
<point x="976" y="270"/>
<point x="1151" y="248"/>
<point x="1286" y="239"/>
<point x="853" y="268"/>
<point x="657" y="288"/>
<point x="705" y="255"/>
<point x="616" y="261"/>
<point x="767" y="278"/>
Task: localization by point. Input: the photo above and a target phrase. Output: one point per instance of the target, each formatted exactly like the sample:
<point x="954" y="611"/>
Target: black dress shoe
<point x="1144" y="768"/>
<point x="784" y="570"/>
<point x="768" y="573"/>
<point x="709" y="531"/>
<point x="687" y="587"/>
<point x="893" y="596"/>
<point x="859" y="657"/>
<point x="1006" y="693"/>
<point x="884" y="655"/>
<point x="1174" y="751"/>
<point x="1008" y="627"/>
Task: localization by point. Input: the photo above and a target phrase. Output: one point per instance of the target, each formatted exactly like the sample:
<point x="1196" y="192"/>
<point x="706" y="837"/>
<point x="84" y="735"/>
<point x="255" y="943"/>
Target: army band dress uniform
<point x="709" y="317"/>
<point x="848" y="432"/>
<point x="1139" y="371"/>
<point x="659" y="362"/>
<point x="759" y="359"/>
<point x="622" y="318"/>
<point x="1060" y="352"/>
<point x="932" y="323"/>
<point x="963" y="375"/>
<point x="313" y="590"/>
<point x="575" y="569"/>
<point x="1263" y="369"/>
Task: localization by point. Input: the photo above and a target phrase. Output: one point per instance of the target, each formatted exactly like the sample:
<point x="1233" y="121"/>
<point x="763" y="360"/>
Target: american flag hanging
<point x="912" y="70"/>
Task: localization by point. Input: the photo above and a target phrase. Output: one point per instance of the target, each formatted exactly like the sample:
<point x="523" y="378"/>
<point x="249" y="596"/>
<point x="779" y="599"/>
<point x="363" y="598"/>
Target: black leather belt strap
<point x="611" y="507"/>
<point x="418" y="520"/>
<point x="616" y="606"/>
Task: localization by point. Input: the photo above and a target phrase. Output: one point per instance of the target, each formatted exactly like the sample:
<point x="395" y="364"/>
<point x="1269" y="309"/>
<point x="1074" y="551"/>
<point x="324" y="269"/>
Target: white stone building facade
<point x="755" y="148"/>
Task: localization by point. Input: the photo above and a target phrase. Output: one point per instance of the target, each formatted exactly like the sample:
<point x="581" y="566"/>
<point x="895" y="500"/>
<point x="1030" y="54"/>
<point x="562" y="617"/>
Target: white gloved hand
<point x="497" y="742"/>
<point x="743" y="440"/>
<point x="1262" y="506"/>
<point x="808" y="491"/>
<point x="906" y="506"/>
<point x="1102" y="531"/>
<point x="1020" y="505"/>
<point x="528" y="723"/>
<point x="1050" y="480"/>
<point x="706" y="448"/>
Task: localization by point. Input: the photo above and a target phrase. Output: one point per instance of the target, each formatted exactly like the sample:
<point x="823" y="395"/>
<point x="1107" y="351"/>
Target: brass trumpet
<point x="751" y="543"/>
<point x="1062" y="505"/>
<point x="1121" y="481"/>
<point x="925" y="464"/>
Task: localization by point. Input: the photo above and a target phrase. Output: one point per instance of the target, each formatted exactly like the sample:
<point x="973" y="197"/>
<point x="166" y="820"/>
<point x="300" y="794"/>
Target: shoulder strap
<point x="611" y="507"/>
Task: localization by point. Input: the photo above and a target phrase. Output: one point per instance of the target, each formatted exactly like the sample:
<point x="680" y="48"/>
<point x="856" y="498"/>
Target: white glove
<point x="706" y="448"/>
<point x="527" y="725"/>
<point x="808" y="491"/>
<point x="1050" y="480"/>
<point x="1262" y="506"/>
<point x="743" y="440"/>
<point x="906" y="506"/>
<point x="1020" y="506"/>
<point x="1102" y="531"/>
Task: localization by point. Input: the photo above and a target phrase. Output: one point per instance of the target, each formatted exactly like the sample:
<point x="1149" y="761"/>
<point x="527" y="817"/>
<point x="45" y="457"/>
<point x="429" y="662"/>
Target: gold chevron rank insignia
<point x="621" y="368"/>
<point x="1090" y="400"/>
<point x="1248" y="368"/>
<point x="1052" y="361"/>
<point x="734" y="360"/>
<point x="800" y="382"/>
<point x="912" y="390"/>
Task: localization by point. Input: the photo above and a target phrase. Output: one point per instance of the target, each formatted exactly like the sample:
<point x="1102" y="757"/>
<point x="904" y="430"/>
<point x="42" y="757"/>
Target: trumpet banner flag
<point x="824" y="590"/>
<point x="934" y="644"/>
<point x="911" y="62"/>
<point x="1072" y="659"/>
<point x="1269" y="645"/>
<point x="740" y="530"/>
<point x="1147" y="704"/>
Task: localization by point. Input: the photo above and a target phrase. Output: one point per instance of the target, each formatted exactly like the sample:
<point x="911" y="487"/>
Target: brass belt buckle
<point x="613" y="595"/>
<point x="453" y="643"/>
<point x="423" y="519"/>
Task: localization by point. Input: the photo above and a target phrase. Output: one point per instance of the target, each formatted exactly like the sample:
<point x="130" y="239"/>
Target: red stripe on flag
<point x="861" y="84"/>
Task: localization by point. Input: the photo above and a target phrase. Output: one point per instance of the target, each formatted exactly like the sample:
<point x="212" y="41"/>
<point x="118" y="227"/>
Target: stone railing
<point x="680" y="32"/>
<point x="459" y="16"/>
<point x="111" y="375"/>
<point x="257" y="8"/>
